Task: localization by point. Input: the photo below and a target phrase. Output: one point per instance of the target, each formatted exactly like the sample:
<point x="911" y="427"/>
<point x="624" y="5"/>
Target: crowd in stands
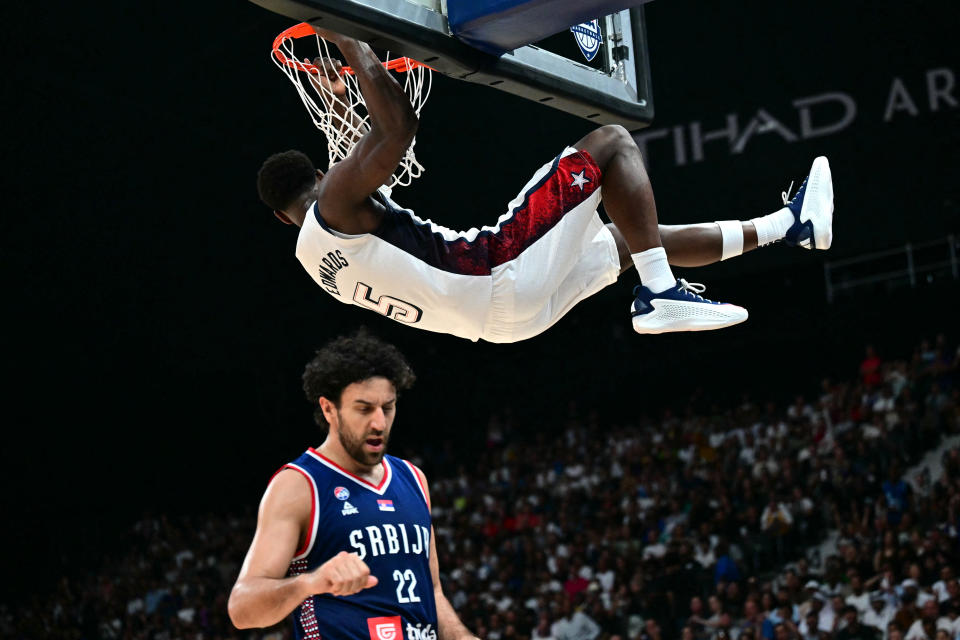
<point x="700" y="525"/>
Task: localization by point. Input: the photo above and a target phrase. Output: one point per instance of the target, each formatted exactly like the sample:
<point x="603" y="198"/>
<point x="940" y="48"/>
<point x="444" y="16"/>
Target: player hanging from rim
<point x="550" y="250"/>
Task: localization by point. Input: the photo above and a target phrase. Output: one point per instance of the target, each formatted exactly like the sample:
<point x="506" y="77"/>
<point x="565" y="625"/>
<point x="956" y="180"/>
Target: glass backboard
<point x="613" y="88"/>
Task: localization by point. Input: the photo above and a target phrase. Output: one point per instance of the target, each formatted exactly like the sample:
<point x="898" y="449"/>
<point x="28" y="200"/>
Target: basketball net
<point x="344" y="119"/>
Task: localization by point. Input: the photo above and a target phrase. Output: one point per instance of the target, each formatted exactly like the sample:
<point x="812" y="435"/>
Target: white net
<point x="340" y="112"/>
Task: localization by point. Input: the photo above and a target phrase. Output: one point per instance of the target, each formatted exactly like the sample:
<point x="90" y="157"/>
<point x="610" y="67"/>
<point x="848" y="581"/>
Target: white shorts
<point x="569" y="253"/>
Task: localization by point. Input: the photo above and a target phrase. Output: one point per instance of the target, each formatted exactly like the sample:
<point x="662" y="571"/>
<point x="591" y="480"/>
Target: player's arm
<point x="262" y="595"/>
<point x="449" y="626"/>
<point x="345" y="189"/>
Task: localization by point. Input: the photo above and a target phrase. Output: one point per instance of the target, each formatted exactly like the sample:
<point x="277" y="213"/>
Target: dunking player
<point x="343" y="538"/>
<point x="550" y="250"/>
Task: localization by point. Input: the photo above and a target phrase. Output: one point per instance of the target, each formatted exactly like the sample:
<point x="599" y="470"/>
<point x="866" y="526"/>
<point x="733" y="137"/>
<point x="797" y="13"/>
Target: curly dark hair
<point x="348" y="359"/>
<point x="284" y="177"/>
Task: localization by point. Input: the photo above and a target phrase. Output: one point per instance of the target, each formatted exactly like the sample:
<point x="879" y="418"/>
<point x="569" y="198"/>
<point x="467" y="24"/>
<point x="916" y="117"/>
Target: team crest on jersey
<point x="588" y="38"/>
<point x="348" y="509"/>
<point x="385" y="505"/>
<point x="341" y="493"/>
<point x="385" y="628"/>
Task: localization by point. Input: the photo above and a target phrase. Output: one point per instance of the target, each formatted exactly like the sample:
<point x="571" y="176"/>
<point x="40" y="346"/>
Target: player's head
<point x="353" y="382"/>
<point x="283" y="179"/>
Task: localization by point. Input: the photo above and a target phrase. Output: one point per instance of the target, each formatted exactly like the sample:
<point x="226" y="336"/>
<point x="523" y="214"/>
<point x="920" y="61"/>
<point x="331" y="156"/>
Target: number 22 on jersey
<point x="408" y="580"/>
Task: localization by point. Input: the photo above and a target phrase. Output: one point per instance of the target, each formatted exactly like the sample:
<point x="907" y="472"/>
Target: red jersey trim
<point x="420" y="481"/>
<point x="309" y="539"/>
<point x="379" y="488"/>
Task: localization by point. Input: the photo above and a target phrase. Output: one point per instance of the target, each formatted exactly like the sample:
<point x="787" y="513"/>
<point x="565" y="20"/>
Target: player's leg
<point x="627" y="193"/>
<point x="697" y="245"/>
<point x="691" y="245"/>
<point x="804" y="221"/>
<point x="662" y="302"/>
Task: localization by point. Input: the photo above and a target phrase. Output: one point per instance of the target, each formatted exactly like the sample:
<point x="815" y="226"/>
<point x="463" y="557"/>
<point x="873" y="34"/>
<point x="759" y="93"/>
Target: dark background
<point x="157" y="321"/>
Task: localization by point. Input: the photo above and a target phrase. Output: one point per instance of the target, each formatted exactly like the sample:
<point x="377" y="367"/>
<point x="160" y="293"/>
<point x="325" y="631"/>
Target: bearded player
<point x="344" y="540"/>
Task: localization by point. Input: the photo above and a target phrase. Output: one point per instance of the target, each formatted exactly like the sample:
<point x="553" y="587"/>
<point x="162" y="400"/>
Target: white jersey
<point x="502" y="283"/>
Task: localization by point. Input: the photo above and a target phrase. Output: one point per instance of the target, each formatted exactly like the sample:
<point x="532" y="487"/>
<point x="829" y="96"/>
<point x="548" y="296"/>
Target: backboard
<point x="612" y="89"/>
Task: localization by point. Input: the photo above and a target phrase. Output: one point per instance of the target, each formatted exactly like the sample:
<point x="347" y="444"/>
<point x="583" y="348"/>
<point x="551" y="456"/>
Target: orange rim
<point x="304" y="29"/>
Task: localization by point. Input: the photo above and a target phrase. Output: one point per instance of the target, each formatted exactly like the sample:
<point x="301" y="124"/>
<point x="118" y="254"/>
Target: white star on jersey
<point x="579" y="179"/>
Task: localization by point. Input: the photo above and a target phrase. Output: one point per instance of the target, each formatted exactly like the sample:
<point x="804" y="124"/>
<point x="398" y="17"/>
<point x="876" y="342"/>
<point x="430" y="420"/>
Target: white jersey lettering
<point x="385" y="539"/>
<point x="355" y="537"/>
<point x="393" y="545"/>
<point x="393" y="308"/>
<point x="376" y="541"/>
<point x="417" y="546"/>
<point x="426" y="541"/>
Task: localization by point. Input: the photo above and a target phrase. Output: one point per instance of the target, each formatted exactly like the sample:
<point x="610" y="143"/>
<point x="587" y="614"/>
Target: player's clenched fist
<point x="342" y="575"/>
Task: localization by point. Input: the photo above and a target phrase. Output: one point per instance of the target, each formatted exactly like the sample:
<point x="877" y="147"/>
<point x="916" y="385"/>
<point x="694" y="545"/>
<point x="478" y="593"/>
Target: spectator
<point x="870" y="369"/>
<point x="950" y="621"/>
<point x="725" y="630"/>
<point x="780" y="615"/>
<point x="880" y="614"/>
<point x="908" y="612"/>
<point x="921" y="627"/>
<point x="543" y="630"/>
<point x="651" y="630"/>
<point x="726" y="569"/>
<point x="852" y="629"/>
<point x="897" y="493"/>
<point x="776" y="521"/>
<point x="696" y="621"/>
<point x="573" y="624"/>
<point x="808" y="626"/>
<point x="858" y="597"/>
<point x="785" y="630"/>
<point x="752" y="621"/>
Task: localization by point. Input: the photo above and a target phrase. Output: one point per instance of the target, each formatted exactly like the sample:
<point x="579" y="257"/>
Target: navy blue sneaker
<point x="681" y="308"/>
<point x="812" y="208"/>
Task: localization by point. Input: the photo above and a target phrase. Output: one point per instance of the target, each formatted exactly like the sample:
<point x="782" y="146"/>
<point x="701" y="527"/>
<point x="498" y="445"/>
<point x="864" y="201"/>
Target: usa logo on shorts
<point x="386" y="628"/>
<point x="341" y="493"/>
<point x="588" y="38"/>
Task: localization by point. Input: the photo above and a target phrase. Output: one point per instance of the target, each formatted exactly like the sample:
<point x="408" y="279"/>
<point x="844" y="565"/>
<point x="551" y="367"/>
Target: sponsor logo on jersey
<point x="418" y="633"/>
<point x="341" y="493"/>
<point x="385" y="505"/>
<point x="348" y="509"/>
<point x="588" y="38"/>
<point x="385" y="628"/>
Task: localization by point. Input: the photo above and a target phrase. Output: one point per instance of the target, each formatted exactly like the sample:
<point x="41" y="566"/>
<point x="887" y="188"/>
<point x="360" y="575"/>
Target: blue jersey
<point x="388" y="526"/>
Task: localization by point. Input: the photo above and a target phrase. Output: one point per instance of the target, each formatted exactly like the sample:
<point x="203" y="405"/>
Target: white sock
<point x="732" y="233"/>
<point x="773" y="227"/>
<point x="654" y="269"/>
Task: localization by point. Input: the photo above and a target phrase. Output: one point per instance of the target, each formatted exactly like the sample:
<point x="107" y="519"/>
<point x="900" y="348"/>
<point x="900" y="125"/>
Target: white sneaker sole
<point x="673" y="315"/>
<point x="818" y="203"/>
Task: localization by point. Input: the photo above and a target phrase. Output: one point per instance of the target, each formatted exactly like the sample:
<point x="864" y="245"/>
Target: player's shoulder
<point x="415" y="472"/>
<point x="289" y="491"/>
<point x="402" y="463"/>
<point x="345" y="215"/>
